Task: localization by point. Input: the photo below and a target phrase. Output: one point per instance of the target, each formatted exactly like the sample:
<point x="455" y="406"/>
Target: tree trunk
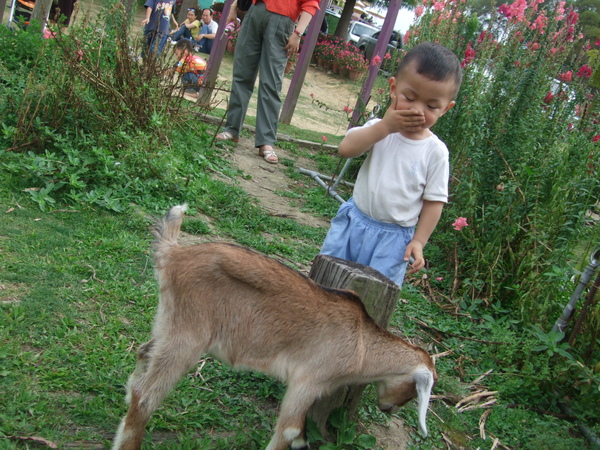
<point x="41" y="10"/>
<point x="346" y="17"/>
<point x="378" y="293"/>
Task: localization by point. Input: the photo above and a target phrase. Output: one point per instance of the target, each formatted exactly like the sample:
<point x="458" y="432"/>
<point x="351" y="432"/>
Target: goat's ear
<point x="424" y="379"/>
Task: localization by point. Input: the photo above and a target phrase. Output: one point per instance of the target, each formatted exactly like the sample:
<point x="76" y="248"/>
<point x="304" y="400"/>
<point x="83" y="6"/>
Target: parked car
<point x="358" y="29"/>
<point x="366" y="44"/>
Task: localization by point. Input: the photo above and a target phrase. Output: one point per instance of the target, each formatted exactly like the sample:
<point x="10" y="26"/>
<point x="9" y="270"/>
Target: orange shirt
<point x="191" y="63"/>
<point x="291" y="8"/>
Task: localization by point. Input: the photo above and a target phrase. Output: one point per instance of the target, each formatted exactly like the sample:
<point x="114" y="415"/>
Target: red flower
<point x="469" y="55"/>
<point x="596" y="138"/>
<point x="585" y="71"/>
<point x="549" y="97"/>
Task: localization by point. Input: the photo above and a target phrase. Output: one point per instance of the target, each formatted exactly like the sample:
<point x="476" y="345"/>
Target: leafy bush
<point x="525" y="173"/>
<point x="524" y="164"/>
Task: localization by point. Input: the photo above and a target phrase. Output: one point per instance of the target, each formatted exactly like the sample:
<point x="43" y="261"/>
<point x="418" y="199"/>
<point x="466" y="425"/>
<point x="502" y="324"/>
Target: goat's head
<point x="394" y="392"/>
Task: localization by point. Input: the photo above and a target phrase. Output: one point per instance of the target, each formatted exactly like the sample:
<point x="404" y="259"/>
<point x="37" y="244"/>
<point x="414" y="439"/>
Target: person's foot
<point x="268" y="154"/>
<point x="227" y="136"/>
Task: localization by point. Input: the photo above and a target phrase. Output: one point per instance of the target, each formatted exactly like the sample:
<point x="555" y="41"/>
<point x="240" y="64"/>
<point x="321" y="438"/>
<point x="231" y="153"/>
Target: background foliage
<point x="525" y="175"/>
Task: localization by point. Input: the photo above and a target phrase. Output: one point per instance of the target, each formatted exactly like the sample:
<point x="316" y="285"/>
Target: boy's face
<point x="427" y="98"/>
<point x="179" y="52"/>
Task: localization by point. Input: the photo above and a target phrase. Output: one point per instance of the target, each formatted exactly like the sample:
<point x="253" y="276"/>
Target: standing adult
<point x="156" y="25"/>
<point x="208" y="32"/>
<point x="270" y="34"/>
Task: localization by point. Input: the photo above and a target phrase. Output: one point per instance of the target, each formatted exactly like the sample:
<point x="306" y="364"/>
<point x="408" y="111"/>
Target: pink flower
<point x="585" y="71"/>
<point x="376" y="60"/>
<point x="534" y="46"/>
<point x="419" y="11"/>
<point x="387" y="56"/>
<point x="312" y="95"/>
<point x="539" y="23"/>
<point x="438" y="6"/>
<point x="566" y="76"/>
<point x="324" y="138"/>
<point x="460" y="223"/>
<point x="553" y="51"/>
<point x="439" y="279"/>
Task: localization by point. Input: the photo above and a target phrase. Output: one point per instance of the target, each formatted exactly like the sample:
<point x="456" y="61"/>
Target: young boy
<point x="156" y="25"/>
<point x="192" y="67"/>
<point x="403" y="182"/>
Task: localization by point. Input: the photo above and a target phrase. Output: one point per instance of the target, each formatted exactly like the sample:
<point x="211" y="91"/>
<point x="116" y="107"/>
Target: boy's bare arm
<point x="148" y="14"/>
<point x="359" y="141"/>
<point x="394" y="121"/>
<point x="428" y="219"/>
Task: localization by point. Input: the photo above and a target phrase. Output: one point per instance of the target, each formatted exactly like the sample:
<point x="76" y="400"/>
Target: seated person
<point x="191" y="67"/>
<point x="190" y="29"/>
<point x="208" y="32"/>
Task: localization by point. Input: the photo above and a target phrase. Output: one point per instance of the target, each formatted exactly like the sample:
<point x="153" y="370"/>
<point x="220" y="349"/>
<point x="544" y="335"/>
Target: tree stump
<point x="378" y="293"/>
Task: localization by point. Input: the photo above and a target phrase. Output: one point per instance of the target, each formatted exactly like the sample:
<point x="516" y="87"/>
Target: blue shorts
<point x="356" y="237"/>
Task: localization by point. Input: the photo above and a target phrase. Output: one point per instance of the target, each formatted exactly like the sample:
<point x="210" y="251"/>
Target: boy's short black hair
<point x="433" y="61"/>
<point x="184" y="44"/>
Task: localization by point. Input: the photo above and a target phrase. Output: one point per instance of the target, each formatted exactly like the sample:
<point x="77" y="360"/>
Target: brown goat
<point x="253" y="312"/>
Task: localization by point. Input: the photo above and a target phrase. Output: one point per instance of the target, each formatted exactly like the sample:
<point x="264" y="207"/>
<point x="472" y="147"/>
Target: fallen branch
<point x="423" y="324"/>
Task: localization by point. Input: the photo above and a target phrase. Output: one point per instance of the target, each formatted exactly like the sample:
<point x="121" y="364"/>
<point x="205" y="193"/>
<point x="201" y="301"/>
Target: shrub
<point x="525" y="173"/>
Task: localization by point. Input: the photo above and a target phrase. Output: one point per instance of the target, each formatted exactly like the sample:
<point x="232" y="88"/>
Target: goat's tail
<point x="424" y="382"/>
<point x="167" y="228"/>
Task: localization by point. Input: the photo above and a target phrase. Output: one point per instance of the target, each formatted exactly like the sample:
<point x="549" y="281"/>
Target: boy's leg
<point x="337" y="242"/>
<point x="190" y="81"/>
<point x="162" y="40"/>
<point x="356" y="237"/>
<point x="245" y="68"/>
<point x="272" y="65"/>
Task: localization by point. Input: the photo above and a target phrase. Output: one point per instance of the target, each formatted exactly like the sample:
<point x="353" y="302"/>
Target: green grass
<point x="79" y="297"/>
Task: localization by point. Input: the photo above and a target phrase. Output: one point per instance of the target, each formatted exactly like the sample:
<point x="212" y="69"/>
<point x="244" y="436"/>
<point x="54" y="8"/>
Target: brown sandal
<point x="268" y="154"/>
<point x="227" y="136"/>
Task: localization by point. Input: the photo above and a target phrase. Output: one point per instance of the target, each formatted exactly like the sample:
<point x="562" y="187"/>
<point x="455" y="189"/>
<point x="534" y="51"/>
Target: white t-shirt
<point x="212" y="27"/>
<point x="398" y="174"/>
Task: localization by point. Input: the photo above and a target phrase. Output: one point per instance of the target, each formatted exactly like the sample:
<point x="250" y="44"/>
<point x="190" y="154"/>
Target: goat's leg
<point x="290" y="428"/>
<point x="157" y="371"/>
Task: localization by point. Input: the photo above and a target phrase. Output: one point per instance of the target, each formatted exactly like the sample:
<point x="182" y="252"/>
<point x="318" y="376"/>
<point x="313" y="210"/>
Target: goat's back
<point x="252" y="309"/>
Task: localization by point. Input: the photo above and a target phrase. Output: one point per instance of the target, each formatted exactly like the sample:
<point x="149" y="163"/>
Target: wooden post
<point x="2" y="9"/>
<point x="216" y="56"/>
<point x="312" y="33"/>
<point x="380" y="49"/>
<point x="41" y="11"/>
<point x="380" y="297"/>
